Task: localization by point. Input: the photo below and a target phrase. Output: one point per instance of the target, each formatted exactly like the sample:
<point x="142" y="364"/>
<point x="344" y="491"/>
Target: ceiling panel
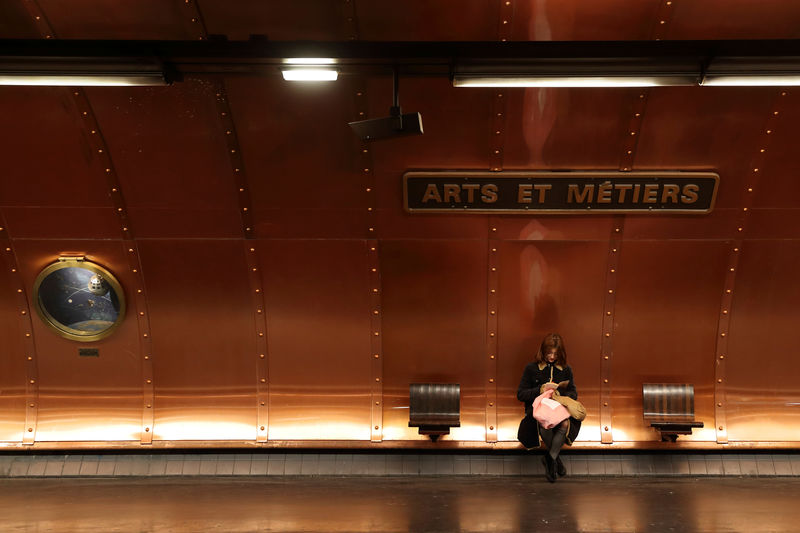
<point x="423" y="20"/>
<point x="317" y="20"/>
<point x="578" y="20"/>
<point x="143" y="19"/>
<point x="734" y="19"/>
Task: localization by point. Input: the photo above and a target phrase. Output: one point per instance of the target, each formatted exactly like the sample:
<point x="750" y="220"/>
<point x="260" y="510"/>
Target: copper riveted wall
<point x="280" y="296"/>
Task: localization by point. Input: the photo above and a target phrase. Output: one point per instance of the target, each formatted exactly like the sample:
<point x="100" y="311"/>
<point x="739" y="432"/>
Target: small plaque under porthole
<point x="88" y="352"/>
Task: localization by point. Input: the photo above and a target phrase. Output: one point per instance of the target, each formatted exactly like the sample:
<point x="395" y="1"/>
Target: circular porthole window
<point x="78" y="299"/>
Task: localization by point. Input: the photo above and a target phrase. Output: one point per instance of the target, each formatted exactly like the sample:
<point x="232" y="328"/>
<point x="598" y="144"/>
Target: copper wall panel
<point x="553" y="228"/>
<point x="763" y="395"/>
<point x="565" y="128"/>
<point x="735" y="19"/>
<point x="318" y="20"/>
<point x="457" y="136"/>
<point x="148" y="19"/>
<point x="779" y="187"/>
<point x="15" y="23"/>
<point x="62" y="222"/>
<point x="667" y="308"/>
<point x="574" y="20"/>
<point x="12" y="361"/>
<point x="201" y="324"/>
<point x="719" y="224"/>
<point x="318" y="314"/>
<point x="434" y="309"/>
<point x="548" y="287"/>
<point x="52" y="165"/>
<point x="278" y="142"/>
<point x="420" y="20"/>
<point x="702" y="128"/>
<point x="85" y="398"/>
<point x="171" y="159"/>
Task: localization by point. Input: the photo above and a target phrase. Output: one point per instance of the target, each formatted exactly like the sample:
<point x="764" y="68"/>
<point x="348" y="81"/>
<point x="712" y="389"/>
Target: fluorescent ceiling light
<point x="742" y="80"/>
<point x="73" y="80"/>
<point x="309" y="69"/>
<point x="78" y="72"/>
<point x="472" y="80"/>
<point x="310" y="74"/>
<point x="309" y="61"/>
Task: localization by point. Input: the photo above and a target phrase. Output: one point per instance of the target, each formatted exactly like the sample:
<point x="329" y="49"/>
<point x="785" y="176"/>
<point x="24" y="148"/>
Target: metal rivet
<point x="491" y="334"/>
<point x="19" y="290"/>
<point x="32" y="405"/>
<point x="610" y="291"/>
<point x="377" y="403"/>
<point x="491" y="380"/>
<point x="147" y="429"/>
<point x="492" y="291"/>
<point x="720" y="428"/>
<point x="733" y="270"/>
<point x="605" y="404"/>
<point x="719" y="381"/>
<point x="24" y="312"/>
<point x="146" y="357"/>
<point x="605" y="381"/>
<point x="149" y="381"/>
<point x="614" y="250"/>
<point x="608" y="313"/>
<point x="377" y="334"/>
<point x="605" y="357"/>
<point x="141" y="313"/>
<point x="376" y="356"/>
<point x="727" y="291"/>
<point x="260" y="334"/>
<point x="491" y="404"/>
<point x="149" y="406"/>
<point x="608" y="334"/>
<point x="30" y="430"/>
<point x="605" y="428"/>
<point x="262" y="428"/>
<point x="494" y="250"/>
<point x="377" y="379"/>
<point x="491" y="428"/>
<point x="613" y="270"/>
<point x="491" y="357"/>
<point x="263" y="380"/>
<point x="492" y="313"/>
<point x="376" y="427"/>
<point x="261" y="356"/>
<point x="33" y="381"/>
<point x="719" y="404"/>
<point x="30" y="358"/>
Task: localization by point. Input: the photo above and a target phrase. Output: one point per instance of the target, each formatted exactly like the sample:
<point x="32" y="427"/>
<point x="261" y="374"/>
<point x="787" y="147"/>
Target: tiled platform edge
<point x="339" y="464"/>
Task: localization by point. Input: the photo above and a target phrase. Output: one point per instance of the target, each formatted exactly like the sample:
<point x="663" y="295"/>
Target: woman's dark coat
<point x="536" y="375"/>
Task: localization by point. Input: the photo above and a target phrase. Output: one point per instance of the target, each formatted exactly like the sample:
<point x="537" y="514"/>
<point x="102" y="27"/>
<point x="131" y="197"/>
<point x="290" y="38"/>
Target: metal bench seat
<point x="669" y="408"/>
<point x="434" y="408"/>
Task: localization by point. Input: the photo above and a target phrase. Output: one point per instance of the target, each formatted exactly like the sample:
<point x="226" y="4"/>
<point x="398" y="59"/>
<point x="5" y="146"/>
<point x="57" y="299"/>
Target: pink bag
<point x="548" y="412"/>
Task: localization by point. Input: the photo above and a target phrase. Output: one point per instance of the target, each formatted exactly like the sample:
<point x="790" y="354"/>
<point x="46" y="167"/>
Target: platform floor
<point x="400" y="504"/>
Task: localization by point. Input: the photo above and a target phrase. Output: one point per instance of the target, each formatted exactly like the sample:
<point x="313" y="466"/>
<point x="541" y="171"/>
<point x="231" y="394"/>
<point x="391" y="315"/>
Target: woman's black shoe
<point x="560" y="468"/>
<point x="549" y="468"/>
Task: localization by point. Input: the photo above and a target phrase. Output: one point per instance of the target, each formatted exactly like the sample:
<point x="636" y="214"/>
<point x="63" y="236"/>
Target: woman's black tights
<point x="554" y="438"/>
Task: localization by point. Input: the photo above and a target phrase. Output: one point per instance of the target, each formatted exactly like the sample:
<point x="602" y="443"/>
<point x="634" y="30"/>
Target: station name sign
<point x="577" y="192"/>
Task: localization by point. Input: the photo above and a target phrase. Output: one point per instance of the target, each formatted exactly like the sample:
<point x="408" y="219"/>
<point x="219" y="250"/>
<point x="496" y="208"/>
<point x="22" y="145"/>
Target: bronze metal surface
<point x="320" y="359"/>
<point x="144" y="181"/>
<point x="549" y="286"/>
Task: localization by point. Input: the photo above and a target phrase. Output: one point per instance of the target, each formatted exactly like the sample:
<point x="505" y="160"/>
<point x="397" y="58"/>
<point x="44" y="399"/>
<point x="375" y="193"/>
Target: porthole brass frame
<point x="58" y="327"/>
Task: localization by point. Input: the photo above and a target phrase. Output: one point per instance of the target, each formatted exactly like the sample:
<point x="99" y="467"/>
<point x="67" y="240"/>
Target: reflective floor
<point x="383" y="504"/>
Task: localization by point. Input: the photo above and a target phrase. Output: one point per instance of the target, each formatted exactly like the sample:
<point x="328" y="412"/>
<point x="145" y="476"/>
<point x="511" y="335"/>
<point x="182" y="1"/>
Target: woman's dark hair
<point x="550" y="341"/>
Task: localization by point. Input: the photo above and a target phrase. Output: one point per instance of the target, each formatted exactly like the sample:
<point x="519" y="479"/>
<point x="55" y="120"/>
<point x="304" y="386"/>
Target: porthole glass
<point x="79" y="300"/>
